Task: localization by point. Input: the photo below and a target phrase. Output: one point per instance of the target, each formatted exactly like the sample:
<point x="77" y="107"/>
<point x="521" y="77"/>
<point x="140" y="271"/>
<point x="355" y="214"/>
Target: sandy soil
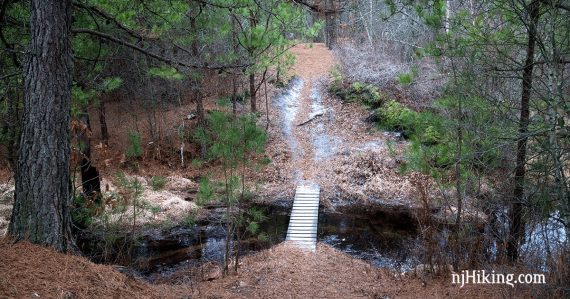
<point x="6" y="200"/>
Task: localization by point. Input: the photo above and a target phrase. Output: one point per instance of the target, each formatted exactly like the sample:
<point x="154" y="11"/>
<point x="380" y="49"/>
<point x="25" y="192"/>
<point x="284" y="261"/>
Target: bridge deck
<point x="304" y="217"/>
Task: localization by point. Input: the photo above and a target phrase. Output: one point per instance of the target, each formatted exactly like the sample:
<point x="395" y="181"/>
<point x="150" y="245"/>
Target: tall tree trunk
<point x="42" y="198"/>
<point x="252" y="92"/>
<point x="235" y="77"/>
<point x="252" y="89"/>
<point x="516" y="231"/>
<point x="458" y="165"/>
<point x="331" y="23"/>
<point x="103" y="123"/>
<point x="200" y="116"/>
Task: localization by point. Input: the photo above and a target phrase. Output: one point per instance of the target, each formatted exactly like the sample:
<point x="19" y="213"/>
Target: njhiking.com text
<point x="485" y="277"/>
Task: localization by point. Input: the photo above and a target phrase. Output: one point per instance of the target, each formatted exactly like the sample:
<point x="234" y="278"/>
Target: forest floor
<point x="284" y="271"/>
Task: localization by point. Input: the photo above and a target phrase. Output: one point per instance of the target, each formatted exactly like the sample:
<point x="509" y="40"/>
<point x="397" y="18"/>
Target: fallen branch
<point x="311" y="118"/>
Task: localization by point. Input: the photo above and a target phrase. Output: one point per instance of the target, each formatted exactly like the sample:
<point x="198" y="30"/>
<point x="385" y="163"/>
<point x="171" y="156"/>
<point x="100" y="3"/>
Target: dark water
<point x="380" y="238"/>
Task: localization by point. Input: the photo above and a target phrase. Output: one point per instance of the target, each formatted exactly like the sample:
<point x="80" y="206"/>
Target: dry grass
<point x="380" y="67"/>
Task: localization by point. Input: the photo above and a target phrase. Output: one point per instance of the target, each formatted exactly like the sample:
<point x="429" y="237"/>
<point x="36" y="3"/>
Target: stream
<point x="381" y="238"/>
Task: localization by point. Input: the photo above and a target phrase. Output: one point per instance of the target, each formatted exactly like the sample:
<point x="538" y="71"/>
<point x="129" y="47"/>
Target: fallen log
<point x="311" y="118"/>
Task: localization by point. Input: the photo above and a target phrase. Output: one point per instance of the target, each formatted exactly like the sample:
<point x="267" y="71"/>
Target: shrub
<point x="157" y="182"/>
<point x="357" y="87"/>
<point x="396" y="117"/>
<point x="82" y="211"/>
<point x="336" y="76"/>
<point x="405" y="78"/>
<point x="135" y="146"/>
<point x="358" y="92"/>
<point x="189" y="220"/>
<point x="372" y="97"/>
<point x="429" y="159"/>
<point x="431" y="135"/>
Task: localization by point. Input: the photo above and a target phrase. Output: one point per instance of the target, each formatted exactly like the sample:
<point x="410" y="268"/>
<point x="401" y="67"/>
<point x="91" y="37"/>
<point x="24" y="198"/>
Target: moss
<point x="396" y="117"/>
<point x="357" y="92"/>
<point x="357" y="87"/>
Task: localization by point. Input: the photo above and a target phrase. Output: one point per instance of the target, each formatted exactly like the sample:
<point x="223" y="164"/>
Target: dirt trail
<point x="347" y="156"/>
<point x="313" y="63"/>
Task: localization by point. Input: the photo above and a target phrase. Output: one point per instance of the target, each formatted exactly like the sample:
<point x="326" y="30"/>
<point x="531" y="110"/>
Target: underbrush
<point x="108" y="230"/>
<point x="431" y="132"/>
<point x="478" y="244"/>
<point x="415" y="76"/>
<point x="358" y="92"/>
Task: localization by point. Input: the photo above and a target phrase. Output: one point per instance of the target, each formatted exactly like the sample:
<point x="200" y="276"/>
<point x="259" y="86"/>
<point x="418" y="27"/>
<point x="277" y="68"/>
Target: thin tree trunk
<point x="516" y="231"/>
<point x="458" y="165"/>
<point x="10" y="128"/>
<point x="201" y="117"/>
<point x="234" y="95"/>
<point x="42" y="197"/>
<point x="252" y="92"/>
<point x="229" y="229"/>
<point x="90" y="180"/>
<point x="447" y="15"/>
<point x="266" y="106"/>
<point x="235" y="75"/>
<point x="103" y="123"/>
<point x="201" y="120"/>
<point x="330" y="23"/>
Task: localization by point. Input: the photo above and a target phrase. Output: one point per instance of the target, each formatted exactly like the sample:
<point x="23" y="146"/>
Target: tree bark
<point x="516" y="230"/>
<point x="330" y="23"/>
<point x="42" y="198"/>
<point x="234" y="76"/>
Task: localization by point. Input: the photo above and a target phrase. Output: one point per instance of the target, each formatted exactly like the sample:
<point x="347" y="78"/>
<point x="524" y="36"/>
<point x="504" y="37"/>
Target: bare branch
<point x="318" y="8"/>
<point x="110" y="18"/>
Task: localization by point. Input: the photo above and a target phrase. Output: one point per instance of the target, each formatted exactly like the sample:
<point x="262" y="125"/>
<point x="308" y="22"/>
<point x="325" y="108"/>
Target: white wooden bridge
<point x="304" y="217"/>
